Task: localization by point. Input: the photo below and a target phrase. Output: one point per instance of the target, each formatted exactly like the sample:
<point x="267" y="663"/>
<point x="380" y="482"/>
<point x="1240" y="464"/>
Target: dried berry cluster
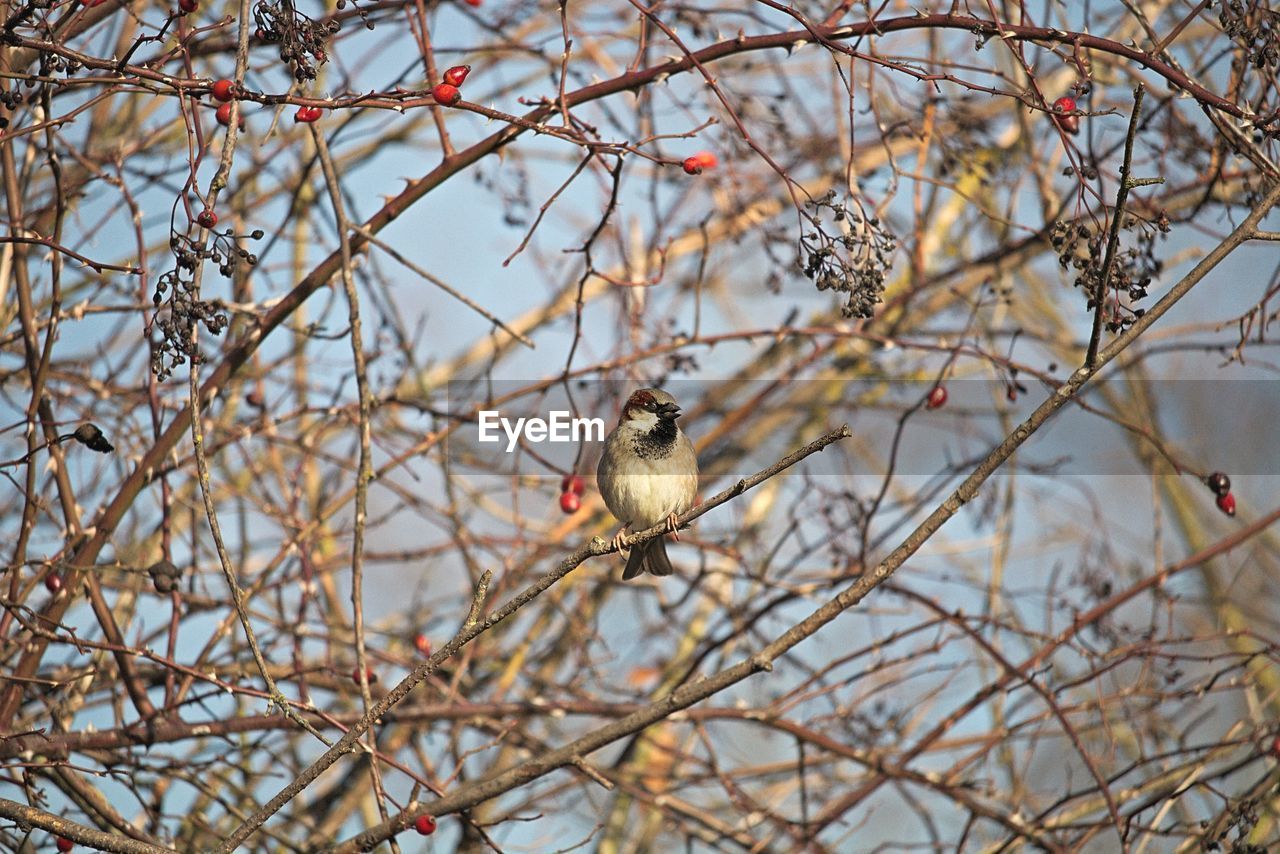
<point x="186" y="308"/>
<point x="364" y="13"/>
<point x="165" y="576"/>
<point x="49" y="62"/>
<point x="856" y="261"/>
<point x="1242" y="818"/>
<point x="1255" y="27"/>
<point x="1081" y="248"/>
<point x="21" y="17"/>
<point x="300" y="37"/>
<point x="52" y="63"/>
<point x="1086" y="171"/>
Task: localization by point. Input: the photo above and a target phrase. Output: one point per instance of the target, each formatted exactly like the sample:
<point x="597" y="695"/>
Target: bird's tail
<point x="650" y="557"/>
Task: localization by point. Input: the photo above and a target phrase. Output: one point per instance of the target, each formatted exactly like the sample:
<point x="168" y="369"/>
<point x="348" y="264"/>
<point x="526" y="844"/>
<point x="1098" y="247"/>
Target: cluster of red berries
<point x="571" y="489"/>
<point x="1221" y="486"/>
<point x="1064" y="114"/>
<point x="447" y="93"/>
<point x="702" y="160"/>
<point x="226" y="91"/>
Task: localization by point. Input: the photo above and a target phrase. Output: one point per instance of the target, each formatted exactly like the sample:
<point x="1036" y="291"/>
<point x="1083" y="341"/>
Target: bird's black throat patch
<point x="657" y="443"/>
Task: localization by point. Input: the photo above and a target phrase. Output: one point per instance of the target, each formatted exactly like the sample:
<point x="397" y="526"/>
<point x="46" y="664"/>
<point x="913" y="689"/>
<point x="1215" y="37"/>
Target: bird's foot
<point x="616" y="542"/>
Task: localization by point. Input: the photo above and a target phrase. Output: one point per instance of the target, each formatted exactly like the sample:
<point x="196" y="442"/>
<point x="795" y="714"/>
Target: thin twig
<point x="453" y="292"/>
<point x="364" y="467"/>
<point x="1113" y="237"/>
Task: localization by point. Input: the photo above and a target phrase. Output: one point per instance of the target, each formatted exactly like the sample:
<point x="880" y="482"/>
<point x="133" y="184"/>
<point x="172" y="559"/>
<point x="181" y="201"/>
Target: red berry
<point x="570" y="502"/>
<point x="53" y="582"/>
<point x="223" y="90"/>
<point x="937" y="397"/>
<point x="188" y="6"/>
<point x="64" y="844"/>
<point x="446" y="94"/>
<point x="1219" y="483"/>
<point x="572" y="483"/>
<point x="308" y="114"/>
<point x="207" y="218"/>
<point x="425" y="824"/>
<point x="473" y="2"/>
<point x="706" y="160"/>
<point x="369" y="675"/>
<point x="1070" y="124"/>
<point x="692" y="165"/>
<point x="1227" y="504"/>
<point x="456" y="75"/>
<point x="1275" y="747"/>
<point x="224" y="116"/>
<point x="423" y="644"/>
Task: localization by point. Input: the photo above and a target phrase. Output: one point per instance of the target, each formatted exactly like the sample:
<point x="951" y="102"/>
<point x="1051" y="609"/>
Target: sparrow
<point x="648" y="474"/>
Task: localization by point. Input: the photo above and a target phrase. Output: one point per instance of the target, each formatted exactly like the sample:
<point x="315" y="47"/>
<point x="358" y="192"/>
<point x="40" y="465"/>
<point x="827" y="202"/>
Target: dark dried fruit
<point x="164" y="576"/>
<point x="91" y="437"/>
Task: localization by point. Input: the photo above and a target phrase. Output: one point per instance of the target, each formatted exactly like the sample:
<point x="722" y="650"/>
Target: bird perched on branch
<point x="648" y="474"/>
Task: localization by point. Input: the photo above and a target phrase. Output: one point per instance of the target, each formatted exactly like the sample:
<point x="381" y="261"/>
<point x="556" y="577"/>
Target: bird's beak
<point x="669" y="411"/>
